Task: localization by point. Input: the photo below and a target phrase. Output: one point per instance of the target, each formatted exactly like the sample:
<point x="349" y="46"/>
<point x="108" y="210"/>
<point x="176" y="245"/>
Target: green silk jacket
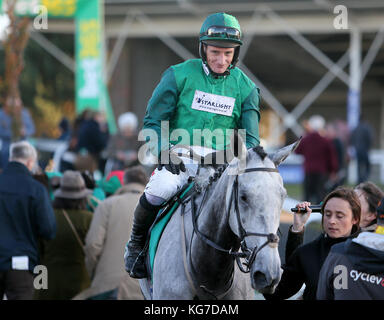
<point x="200" y="108"/>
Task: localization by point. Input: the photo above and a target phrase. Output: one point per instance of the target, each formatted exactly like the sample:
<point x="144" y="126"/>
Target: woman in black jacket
<point x="341" y="217"/>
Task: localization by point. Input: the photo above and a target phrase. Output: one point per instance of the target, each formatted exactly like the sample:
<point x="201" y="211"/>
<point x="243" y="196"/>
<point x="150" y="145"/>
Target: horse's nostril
<point x="259" y="278"/>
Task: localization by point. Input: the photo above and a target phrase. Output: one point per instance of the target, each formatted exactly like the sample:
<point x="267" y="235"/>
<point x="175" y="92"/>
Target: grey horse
<point x="235" y="217"/>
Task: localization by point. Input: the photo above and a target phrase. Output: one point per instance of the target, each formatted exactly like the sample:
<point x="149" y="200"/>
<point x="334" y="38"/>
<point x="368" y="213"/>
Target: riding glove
<point x="172" y="162"/>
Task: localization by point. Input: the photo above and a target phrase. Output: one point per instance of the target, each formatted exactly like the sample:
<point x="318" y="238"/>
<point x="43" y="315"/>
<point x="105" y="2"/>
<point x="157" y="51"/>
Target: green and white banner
<point x="88" y="48"/>
<point x="91" y="91"/>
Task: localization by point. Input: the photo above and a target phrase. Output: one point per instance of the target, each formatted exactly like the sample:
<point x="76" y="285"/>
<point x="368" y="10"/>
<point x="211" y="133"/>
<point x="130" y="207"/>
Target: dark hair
<point x="89" y="180"/>
<point x="54" y="182"/>
<point x="372" y="194"/>
<point x="43" y="179"/>
<point x="135" y="174"/>
<point x="351" y="197"/>
<point x="85" y="162"/>
<point x="74" y="204"/>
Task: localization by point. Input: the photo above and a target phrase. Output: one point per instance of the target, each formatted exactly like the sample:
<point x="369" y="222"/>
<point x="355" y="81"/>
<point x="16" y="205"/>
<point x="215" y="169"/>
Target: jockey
<point x="209" y="94"/>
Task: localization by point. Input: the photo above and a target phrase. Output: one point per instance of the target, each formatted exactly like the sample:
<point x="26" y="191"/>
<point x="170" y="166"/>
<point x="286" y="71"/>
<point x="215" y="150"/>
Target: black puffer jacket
<point x="303" y="266"/>
<point x="360" y="272"/>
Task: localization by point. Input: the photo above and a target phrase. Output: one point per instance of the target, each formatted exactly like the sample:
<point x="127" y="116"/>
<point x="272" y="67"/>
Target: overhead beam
<point x="186" y="25"/>
<point x="160" y="7"/>
<point x="164" y="36"/>
<point x="56" y="52"/>
<point x="118" y="47"/>
<point x="329" y="96"/>
<point x="273" y="102"/>
<point x="308" y="46"/>
<point x="305" y="24"/>
<point x="372" y="52"/>
<point x="319" y="88"/>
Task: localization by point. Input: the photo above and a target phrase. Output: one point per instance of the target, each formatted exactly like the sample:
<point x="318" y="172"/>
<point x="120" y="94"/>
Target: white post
<point x="353" y="107"/>
<point x="381" y="137"/>
<point x="353" y="104"/>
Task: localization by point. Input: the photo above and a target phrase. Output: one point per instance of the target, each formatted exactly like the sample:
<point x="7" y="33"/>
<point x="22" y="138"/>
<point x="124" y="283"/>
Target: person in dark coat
<point x="65" y="129"/>
<point x="320" y="160"/>
<point x="93" y="138"/>
<point x="354" y="270"/>
<point x="339" y="146"/>
<point x="341" y="217"/>
<point x="362" y="140"/>
<point x="64" y="255"/>
<point x="26" y="214"/>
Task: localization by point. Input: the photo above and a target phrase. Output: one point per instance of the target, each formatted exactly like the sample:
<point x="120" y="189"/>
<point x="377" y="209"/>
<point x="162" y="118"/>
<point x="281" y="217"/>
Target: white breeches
<point x="163" y="184"/>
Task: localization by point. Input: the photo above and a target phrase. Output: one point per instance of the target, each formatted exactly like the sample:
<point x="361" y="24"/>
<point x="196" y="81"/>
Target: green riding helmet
<point x="221" y="30"/>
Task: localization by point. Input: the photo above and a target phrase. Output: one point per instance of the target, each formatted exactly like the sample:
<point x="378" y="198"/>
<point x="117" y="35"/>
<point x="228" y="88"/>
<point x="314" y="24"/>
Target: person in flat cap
<point x="354" y="270"/>
<point x="64" y="255"/>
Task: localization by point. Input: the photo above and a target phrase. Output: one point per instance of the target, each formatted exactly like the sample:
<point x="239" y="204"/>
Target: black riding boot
<point x="144" y="216"/>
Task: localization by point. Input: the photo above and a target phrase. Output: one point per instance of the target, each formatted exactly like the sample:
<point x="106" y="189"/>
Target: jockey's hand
<point x="171" y="162"/>
<point x="300" y="219"/>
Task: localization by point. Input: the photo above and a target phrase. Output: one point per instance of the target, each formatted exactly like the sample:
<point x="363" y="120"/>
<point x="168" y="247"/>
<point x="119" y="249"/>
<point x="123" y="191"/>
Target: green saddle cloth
<point x="160" y="225"/>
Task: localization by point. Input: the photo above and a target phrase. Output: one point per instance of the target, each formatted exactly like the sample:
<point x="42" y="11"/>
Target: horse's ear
<point x="280" y="155"/>
<point x="237" y="146"/>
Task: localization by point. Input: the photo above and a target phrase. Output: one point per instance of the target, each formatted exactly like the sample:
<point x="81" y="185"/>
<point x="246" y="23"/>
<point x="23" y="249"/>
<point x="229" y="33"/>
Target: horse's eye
<point x="243" y="198"/>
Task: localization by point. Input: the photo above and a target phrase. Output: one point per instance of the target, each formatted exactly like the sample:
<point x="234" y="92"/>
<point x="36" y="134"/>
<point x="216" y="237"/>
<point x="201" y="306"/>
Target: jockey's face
<point x="219" y="59"/>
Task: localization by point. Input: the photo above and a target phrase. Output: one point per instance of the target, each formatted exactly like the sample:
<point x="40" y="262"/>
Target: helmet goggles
<point x="223" y="32"/>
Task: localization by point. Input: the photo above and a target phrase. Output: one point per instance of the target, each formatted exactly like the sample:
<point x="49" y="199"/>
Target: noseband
<point x="246" y="253"/>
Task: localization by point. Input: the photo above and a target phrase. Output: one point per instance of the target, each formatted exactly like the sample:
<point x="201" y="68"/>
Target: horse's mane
<point x="206" y="173"/>
<point x="202" y="179"/>
<point x="260" y="152"/>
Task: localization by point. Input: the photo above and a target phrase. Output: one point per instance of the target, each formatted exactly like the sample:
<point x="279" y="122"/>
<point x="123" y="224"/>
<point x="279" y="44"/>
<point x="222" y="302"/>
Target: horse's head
<point x="256" y="197"/>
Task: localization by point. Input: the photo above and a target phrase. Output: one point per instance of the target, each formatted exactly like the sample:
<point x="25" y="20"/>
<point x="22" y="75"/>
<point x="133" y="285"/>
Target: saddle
<point x="165" y="214"/>
<point x="161" y="221"/>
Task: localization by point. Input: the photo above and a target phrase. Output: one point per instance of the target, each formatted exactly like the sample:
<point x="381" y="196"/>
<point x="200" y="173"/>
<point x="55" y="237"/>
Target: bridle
<point x="272" y="238"/>
<point x="246" y="253"/>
